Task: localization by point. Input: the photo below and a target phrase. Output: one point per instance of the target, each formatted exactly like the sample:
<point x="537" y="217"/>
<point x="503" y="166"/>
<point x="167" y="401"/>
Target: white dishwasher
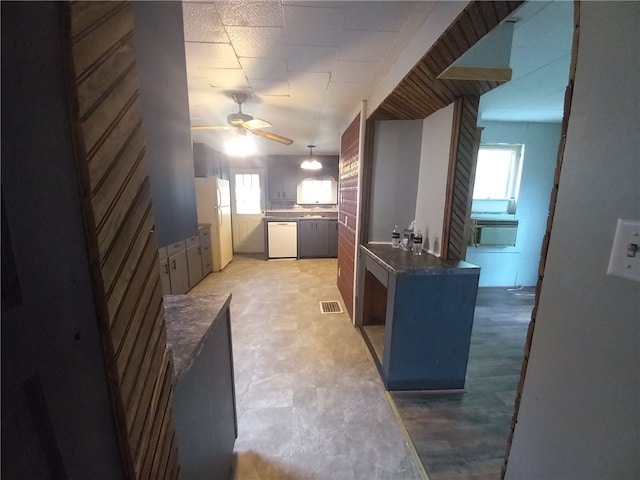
<point x="282" y="239"/>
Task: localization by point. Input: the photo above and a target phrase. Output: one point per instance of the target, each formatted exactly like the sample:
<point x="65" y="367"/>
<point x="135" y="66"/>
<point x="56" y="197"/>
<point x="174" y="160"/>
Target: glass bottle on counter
<point x="395" y="237"/>
<point x="417" y="243"/>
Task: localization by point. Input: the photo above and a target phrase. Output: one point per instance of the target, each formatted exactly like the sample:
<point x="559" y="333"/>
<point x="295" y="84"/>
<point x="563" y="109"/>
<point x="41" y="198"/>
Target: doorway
<point x="247" y="209"/>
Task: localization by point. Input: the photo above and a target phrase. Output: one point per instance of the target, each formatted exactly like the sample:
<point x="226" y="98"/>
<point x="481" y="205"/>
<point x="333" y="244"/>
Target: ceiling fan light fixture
<point x="240" y="145"/>
<point x="311" y="163"/>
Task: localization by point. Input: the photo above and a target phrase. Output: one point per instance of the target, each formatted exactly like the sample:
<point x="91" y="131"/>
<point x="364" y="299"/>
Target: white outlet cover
<point x="621" y="265"/>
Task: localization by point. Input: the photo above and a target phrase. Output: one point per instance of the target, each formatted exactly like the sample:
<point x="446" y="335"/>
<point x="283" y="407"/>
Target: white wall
<point x="396" y="158"/>
<point x="432" y="179"/>
<point x="518" y="265"/>
<point x="580" y="410"/>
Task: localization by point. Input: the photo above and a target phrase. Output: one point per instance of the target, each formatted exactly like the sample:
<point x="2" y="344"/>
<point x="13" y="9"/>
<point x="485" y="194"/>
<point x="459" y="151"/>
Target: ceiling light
<point x="311" y="163"/>
<point x="240" y="145"/>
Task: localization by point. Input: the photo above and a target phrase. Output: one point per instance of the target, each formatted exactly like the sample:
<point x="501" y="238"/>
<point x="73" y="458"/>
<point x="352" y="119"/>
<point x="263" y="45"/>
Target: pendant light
<point x="311" y="163"/>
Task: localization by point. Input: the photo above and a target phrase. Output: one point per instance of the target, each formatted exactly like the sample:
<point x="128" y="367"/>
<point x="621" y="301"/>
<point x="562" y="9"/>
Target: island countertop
<point x="189" y="320"/>
<point x="400" y="262"/>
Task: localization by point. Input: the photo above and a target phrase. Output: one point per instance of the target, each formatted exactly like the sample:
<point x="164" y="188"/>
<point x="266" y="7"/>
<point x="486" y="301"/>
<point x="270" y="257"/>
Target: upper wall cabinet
<point x="282" y="184"/>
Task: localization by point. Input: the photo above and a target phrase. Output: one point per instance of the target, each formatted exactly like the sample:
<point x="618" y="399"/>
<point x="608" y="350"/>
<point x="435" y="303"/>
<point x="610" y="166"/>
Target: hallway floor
<point x="310" y="402"/>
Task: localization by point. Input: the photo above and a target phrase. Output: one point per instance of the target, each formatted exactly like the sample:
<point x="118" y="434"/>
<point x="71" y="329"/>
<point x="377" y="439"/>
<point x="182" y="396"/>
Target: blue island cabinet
<point x="415" y="313"/>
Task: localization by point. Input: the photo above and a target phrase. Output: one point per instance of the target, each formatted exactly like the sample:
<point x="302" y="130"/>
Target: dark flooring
<point x="464" y="436"/>
<point x="310" y="401"/>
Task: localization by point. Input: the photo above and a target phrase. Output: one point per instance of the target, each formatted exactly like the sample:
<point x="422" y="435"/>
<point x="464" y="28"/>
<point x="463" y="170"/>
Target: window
<point x="317" y="191"/>
<point x="497" y="183"/>
<point x="247" y="191"/>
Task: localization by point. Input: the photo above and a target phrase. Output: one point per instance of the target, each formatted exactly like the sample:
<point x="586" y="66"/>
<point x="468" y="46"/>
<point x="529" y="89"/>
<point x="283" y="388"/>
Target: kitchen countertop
<point x="295" y="216"/>
<point x="400" y="262"/>
<point x="188" y="320"/>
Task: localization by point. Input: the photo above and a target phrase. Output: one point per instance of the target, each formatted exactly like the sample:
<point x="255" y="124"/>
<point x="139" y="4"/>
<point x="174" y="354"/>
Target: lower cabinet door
<point x="194" y="262"/>
<point x="179" y="273"/>
<point x="332" y="236"/>
<point x="165" y="278"/>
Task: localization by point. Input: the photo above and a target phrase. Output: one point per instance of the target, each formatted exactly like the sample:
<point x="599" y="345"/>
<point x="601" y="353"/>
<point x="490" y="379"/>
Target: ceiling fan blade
<point x="211" y="127"/>
<point x="272" y="136"/>
<point x="255" y="123"/>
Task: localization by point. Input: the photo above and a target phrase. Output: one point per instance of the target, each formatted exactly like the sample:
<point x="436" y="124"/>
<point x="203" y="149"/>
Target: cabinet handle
<point x="173" y="264"/>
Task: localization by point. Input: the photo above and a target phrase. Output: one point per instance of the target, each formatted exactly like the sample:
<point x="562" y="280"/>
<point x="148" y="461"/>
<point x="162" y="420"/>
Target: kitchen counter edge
<point x="400" y="262"/>
<point x="189" y="320"/>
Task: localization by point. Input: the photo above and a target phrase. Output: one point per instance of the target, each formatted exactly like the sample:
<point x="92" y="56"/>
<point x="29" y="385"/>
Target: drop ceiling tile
<point x="347" y="71"/>
<point x="258" y="42"/>
<point x="250" y="14"/>
<point x="210" y="55"/>
<point x="310" y="81"/>
<point x="378" y="16"/>
<point x="231" y="78"/>
<point x="342" y="90"/>
<point x="264" y="68"/>
<point x="305" y="25"/>
<point x="197" y="84"/>
<point x="310" y="58"/>
<point x="364" y="46"/>
<point x="202" y="23"/>
<point x="270" y="87"/>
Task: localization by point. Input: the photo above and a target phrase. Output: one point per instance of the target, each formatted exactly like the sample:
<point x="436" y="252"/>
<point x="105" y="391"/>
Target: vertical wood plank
<point x="117" y="210"/>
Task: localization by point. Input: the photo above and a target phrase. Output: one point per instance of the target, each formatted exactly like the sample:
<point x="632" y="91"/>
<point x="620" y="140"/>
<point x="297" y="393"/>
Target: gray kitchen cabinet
<point x="178" y="268"/>
<point x="204" y="405"/>
<point x="204" y="233"/>
<point x="165" y="279"/>
<point x="313" y="238"/>
<point x="194" y="260"/>
<point x="332" y="238"/>
<point x="283" y="184"/>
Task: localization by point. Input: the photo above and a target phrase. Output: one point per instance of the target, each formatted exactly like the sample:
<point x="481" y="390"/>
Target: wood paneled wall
<point x="118" y="218"/>
<point x="347" y="210"/>
<point x="465" y="139"/>
<point x="421" y="92"/>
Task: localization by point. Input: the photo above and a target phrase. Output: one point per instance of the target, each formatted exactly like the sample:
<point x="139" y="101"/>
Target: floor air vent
<point x="330" y="307"/>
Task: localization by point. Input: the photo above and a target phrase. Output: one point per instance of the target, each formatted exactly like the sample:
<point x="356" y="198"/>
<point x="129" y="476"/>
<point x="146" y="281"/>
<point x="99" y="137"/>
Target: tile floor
<point x="311" y="405"/>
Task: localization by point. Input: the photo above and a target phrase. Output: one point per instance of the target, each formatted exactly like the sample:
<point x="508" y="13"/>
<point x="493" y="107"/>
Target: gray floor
<point x="310" y="402"/>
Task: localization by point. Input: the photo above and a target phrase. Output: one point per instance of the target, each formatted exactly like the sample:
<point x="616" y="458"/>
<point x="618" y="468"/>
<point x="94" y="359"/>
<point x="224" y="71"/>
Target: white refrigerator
<point x="213" y="201"/>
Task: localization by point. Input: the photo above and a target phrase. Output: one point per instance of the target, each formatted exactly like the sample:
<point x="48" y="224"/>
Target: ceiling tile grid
<point x="307" y="65"/>
<point x="316" y="61"/>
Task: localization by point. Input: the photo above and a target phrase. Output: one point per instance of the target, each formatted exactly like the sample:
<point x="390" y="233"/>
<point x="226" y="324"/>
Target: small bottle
<point x="417" y="243"/>
<point x="395" y="237"/>
<point x="406" y="246"/>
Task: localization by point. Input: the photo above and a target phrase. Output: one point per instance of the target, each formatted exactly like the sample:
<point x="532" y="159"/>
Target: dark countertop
<point x="189" y="319"/>
<point x="400" y="262"/>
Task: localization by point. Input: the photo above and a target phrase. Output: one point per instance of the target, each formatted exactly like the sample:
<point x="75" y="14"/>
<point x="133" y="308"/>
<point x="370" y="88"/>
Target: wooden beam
<point x="459" y="72"/>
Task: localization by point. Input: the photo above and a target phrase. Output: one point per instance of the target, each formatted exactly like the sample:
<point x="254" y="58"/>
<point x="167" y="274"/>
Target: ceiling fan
<point x="242" y="120"/>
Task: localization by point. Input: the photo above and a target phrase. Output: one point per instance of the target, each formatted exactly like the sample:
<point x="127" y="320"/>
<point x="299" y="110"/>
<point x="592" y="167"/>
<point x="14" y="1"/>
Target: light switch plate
<point x="625" y="259"/>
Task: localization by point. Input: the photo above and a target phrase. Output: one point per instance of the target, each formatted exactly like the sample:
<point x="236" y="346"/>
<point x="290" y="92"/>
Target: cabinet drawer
<point x="191" y="241"/>
<point x="175" y="248"/>
<point x="205" y="234"/>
